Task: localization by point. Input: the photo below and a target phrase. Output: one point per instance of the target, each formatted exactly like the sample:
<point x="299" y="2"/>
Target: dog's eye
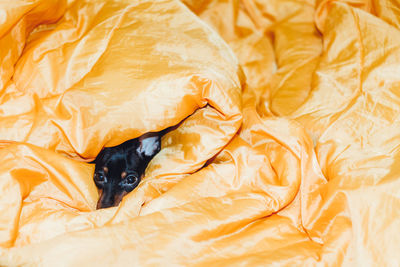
<point x="131" y="179"/>
<point x="99" y="178"/>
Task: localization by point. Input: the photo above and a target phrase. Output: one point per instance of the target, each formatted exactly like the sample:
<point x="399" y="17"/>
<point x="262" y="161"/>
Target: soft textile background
<point x="287" y="146"/>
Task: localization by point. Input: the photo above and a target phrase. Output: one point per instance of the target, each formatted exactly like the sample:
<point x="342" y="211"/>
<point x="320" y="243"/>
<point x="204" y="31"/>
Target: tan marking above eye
<point x="123" y="175"/>
<point x="105" y="169"/>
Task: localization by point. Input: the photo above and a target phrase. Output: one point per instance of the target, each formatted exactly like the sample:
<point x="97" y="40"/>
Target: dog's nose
<point x="105" y="204"/>
<point x="106" y="200"/>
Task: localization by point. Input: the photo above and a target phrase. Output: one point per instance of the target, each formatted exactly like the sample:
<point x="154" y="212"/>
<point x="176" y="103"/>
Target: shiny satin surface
<point x="284" y="150"/>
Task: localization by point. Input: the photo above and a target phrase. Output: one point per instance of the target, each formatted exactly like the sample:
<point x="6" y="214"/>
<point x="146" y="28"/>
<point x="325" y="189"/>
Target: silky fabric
<point x="284" y="141"/>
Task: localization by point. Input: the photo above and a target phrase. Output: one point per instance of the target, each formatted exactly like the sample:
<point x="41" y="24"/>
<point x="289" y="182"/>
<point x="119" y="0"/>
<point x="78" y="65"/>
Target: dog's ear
<point x="149" y="145"/>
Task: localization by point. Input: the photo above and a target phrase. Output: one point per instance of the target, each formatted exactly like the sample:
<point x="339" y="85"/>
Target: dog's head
<point x="119" y="169"/>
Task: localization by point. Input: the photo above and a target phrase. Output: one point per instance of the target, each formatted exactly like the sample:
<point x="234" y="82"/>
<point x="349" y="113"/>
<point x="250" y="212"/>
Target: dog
<point x="119" y="169"/>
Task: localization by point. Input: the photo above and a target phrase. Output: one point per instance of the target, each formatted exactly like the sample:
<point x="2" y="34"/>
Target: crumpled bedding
<point x="284" y="148"/>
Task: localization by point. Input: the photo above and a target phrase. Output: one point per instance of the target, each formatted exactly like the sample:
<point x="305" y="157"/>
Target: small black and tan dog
<point x="119" y="169"/>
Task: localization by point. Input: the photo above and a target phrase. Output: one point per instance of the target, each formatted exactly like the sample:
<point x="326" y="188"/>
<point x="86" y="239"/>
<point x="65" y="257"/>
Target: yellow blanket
<point x="285" y="149"/>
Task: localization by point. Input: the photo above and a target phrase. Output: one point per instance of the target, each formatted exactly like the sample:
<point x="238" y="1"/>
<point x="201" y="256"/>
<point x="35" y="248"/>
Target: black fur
<point x="119" y="169"/>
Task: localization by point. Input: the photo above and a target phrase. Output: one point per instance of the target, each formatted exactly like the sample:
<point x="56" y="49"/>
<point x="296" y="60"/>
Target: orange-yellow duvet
<point x="285" y="149"/>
